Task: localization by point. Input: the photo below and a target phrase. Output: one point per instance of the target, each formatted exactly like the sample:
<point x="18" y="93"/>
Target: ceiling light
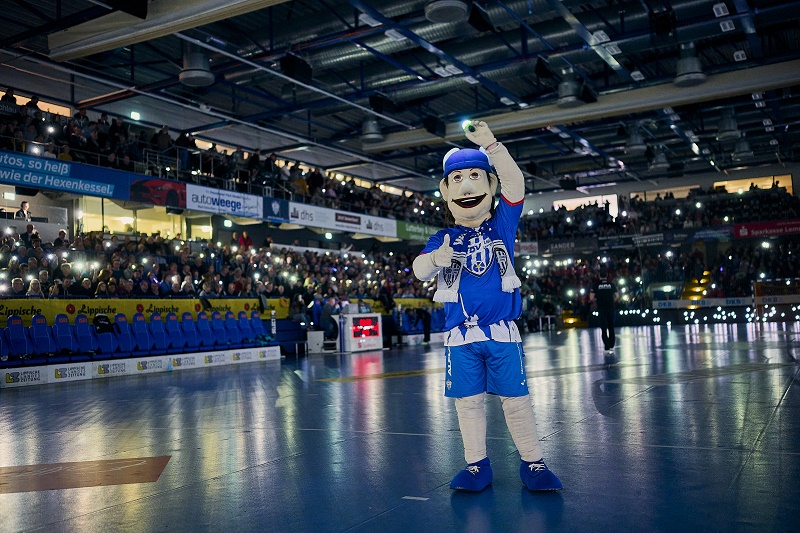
<point x="371" y="132"/>
<point x="635" y="144"/>
<point x="447" y="10"/>
<point x="728" y="127"/>
<point x="196" y="70"/>
<point x="689" y="70"/>
<point x="569" y="90"/>
<point x="659" y="162"/>
<point x="742" y="150"/>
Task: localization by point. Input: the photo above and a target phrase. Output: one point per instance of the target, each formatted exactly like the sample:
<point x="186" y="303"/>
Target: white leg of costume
<point x="522" y="424"/>
<point x="472" y="422"/>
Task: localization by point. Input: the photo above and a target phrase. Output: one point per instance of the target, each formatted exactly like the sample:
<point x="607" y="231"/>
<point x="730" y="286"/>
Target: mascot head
<point x="468" y="186"/>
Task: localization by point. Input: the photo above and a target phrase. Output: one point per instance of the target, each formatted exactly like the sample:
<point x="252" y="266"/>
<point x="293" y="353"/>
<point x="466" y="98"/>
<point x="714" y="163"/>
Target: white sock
<point x="521" y="423"/>
<point x="472" y="422"/>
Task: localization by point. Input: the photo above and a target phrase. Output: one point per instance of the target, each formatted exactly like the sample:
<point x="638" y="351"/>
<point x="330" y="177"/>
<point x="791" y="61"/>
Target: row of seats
<point x="410" y="326"/>
<point x="79" y="342"/>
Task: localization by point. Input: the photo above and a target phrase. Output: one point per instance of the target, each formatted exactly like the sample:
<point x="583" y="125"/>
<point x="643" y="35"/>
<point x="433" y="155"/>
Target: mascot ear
<point x="443" y="189"/>
<point x="493" y="182"/>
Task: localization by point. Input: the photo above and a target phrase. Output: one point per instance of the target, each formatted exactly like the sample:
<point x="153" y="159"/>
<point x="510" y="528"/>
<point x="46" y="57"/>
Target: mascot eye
<point x="475" y="176"/>
<point x="456" y="178"/>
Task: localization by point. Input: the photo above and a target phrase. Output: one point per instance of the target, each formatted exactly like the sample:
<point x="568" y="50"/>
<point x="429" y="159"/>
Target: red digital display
<point x="366" y="327"/>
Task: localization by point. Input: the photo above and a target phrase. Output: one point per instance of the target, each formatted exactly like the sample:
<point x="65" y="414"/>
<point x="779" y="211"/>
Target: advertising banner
<point x="411" y="231"/>
<point x="579" y="245"/>
<point x="276" y="210"/>
<point x="704" y="302"/>
<point x="23" y="376"/>
<point x="774" y="228"/>
<point x="148" y="365"/>
<point x="222" y="202"/>
<point x="722" y="233"/>
<point x="50" y="308"/>
<point x="322" y="217"/>
<point x="526" y="248"/>
<point x="107" y="369"/>
<point x="42" y="173"/>
<point x="69" y="372"/>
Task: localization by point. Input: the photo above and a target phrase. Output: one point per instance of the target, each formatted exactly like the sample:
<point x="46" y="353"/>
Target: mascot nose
<point x="467" y="187"/>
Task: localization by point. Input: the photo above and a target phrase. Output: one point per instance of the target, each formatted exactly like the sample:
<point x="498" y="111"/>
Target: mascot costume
<point x="480" y="291"/>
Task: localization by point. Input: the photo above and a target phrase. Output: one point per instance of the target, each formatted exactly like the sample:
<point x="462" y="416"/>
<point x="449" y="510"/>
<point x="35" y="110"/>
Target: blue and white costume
<point x="480" y="291"/>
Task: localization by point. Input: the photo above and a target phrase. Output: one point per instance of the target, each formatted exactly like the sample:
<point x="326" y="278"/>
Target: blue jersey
<point x="481" y="300"/>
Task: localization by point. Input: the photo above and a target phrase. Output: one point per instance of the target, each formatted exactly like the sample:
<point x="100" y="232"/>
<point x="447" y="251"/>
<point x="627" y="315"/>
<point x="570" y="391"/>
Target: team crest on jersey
<point x="479" y="255"/>
<point x="451" y="273"/>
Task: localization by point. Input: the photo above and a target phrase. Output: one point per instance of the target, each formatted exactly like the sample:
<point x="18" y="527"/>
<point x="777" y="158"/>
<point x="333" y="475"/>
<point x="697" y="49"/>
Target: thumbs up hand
<point x="443" y="256"/>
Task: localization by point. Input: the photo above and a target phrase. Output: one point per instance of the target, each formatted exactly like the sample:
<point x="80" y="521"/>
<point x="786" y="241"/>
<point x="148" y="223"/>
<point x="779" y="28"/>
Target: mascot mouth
<point x="469" y="202"/>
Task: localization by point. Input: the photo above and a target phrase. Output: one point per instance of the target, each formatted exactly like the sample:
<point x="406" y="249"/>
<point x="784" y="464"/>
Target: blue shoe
<point x="536" y="476"/>
<point x="474" y="478"/>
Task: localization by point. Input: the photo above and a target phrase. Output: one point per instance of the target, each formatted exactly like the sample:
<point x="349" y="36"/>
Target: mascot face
<point x="468" y="187"/>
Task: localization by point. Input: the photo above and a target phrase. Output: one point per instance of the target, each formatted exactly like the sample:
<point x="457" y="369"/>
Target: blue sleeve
<point x="508" y="216"/>
<point x="435" y="242"/>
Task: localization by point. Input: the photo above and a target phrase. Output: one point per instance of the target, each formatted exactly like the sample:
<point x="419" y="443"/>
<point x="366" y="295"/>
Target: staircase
<point x="694" y="290"/>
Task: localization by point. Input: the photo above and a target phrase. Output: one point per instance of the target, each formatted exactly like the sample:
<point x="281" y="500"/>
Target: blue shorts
<point x="486" y="366"/>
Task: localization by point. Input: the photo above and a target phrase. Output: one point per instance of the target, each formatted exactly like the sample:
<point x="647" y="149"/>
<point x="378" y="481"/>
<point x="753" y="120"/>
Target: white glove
<point x="482" y="135"/>
<point x="443" y="256"/>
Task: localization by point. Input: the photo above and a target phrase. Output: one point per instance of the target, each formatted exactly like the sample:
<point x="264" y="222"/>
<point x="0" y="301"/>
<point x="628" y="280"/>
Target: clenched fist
<point x="443" y="256"/>
<point x="482" y="135"/>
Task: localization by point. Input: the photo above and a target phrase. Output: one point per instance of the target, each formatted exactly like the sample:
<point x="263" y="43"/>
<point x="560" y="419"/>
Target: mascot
<point x="480" y="291"/>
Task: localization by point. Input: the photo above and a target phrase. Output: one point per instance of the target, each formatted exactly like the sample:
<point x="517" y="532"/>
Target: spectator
<point x="17" y="288"/>
<point x="23" y="213"/>
<point x="61" y="241"/>
<point x="9" y="97"/>
<point x="30" y="234"/>
<point x="35" y="290"/>
<point x="245" y="242"/>
<point x="57" y="290"/>
<point x="102" y="290"/>
<point x="65" y="154"/>
<point x="327" y="322"/>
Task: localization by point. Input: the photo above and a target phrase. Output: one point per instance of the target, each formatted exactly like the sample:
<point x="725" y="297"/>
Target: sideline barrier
<point x="58" y="373"/>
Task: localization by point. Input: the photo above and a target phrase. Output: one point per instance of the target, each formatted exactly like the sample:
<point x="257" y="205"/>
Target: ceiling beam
<point x="120" y="29"/>
<point x="718" y="86"/>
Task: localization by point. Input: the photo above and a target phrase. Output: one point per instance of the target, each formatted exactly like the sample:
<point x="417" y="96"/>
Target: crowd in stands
<point x="98" y="266"/>
<point x="701" y="209"/>
<point x="568" y="283"/>
<point x="114" y="143"/>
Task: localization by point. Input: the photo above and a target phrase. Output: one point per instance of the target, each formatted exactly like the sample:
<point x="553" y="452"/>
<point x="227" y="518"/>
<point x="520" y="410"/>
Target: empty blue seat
<point x="248" y="335"/>
<point x="64" y="335"/>
<point x="19" y="345"/>
<point x="158" y="332"/>
<point x="126" y="344"/>
<point x="176" y="340"/>
<point x="190" y="333"/>
<point x="232" y="330"/>
<point x="141" y="335"/>
<point x="218" y="329"/>
<point x="207" y="339"/>
<point x="44" y="345"/>
<point x="85" y="336"/>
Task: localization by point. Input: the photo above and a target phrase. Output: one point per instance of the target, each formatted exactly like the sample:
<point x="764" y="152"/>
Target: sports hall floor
<point x="696" y="429"/>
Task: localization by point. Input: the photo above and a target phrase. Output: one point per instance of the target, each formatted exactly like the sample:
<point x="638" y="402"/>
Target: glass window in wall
<point x="100" y="213"/>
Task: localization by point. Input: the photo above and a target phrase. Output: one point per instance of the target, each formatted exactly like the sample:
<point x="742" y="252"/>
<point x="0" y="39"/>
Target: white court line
<point x="418" y="498"/>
